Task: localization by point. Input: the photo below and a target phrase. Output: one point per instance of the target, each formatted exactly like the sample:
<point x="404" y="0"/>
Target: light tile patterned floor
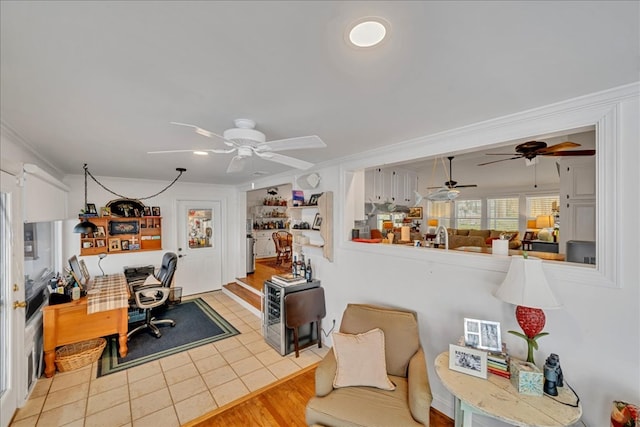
<point x="170" y="391"/>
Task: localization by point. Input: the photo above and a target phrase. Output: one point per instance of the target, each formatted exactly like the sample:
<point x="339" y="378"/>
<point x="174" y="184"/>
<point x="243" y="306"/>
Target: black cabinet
<point x="542" y="246"/>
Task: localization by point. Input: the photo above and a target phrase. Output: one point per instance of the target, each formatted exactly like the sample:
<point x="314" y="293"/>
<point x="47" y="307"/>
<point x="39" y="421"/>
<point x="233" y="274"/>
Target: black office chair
<point x="150" y="296"/>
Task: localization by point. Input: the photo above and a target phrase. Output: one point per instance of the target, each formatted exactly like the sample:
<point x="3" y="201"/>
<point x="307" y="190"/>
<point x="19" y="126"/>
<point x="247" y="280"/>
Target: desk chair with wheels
<point x="150" y="296"/>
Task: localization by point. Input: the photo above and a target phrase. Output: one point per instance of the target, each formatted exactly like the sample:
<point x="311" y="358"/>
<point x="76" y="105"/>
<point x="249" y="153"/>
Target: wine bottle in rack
<point x="308" y="272"/>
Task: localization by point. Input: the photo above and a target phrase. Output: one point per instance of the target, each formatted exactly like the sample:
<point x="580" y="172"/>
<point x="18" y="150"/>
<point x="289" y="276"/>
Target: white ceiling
<point x="99" y="82"/>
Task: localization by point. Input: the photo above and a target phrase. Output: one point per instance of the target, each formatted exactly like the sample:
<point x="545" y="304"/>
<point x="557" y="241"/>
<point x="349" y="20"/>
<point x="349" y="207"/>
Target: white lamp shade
<point x="526" y="285"/>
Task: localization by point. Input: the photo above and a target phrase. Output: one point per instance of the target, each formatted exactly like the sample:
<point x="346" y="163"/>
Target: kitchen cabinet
<point x="390" y="185"/>
<point x="265" y="248"/>
<point x="577" y="200"/>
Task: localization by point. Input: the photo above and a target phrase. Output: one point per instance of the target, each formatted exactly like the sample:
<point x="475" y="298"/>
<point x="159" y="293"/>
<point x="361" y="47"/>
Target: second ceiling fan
<point x="451" y="184"/>
<point x="531" y="149"/>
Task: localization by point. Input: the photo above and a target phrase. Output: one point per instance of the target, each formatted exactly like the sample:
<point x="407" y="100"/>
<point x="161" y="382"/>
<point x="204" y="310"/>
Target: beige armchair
<point x="407" y="405"/>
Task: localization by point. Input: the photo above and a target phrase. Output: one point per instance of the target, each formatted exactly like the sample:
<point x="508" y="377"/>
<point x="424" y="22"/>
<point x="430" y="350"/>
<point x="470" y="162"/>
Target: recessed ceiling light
<point x="368" y="32"/>
<point x="201" y="153"/>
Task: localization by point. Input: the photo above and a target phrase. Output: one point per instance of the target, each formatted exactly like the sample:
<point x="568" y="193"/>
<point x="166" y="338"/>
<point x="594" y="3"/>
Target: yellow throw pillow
<point x="361" y="360"/>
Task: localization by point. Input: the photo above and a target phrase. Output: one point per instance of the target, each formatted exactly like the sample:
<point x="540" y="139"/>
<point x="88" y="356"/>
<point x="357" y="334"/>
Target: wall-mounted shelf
<point x="122" y="235"/>
<point x="307" y="213"/>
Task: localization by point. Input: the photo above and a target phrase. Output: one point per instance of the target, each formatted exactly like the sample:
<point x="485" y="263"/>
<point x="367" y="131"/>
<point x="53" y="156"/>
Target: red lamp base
<point x="532" y="321"/>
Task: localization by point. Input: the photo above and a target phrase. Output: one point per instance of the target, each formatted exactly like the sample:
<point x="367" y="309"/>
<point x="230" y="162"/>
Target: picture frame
<point x="155" y="210"/>
<point x="99" y="232"/>
<point x="100" y="243"/>
<point x="84" y="270"/>
<point x="317" y="222"/>
<point x="91" y="209"/>
<point x="147" y="211"/>
<point x="415" y="212"/>
<point x="123" y="227"/>
<point x="468" y="360"/>
<point x="124" y="245"/>
<point x="105" y="211"/>
<point x="313" y="200"/>
<point x="482" y="334"/>
<point x="528" y="235"/>
<point x="114" y="244"/>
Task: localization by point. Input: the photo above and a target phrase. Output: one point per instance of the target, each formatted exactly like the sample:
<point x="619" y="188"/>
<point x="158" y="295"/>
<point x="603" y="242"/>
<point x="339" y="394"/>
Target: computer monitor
<point x="77" y="271"/>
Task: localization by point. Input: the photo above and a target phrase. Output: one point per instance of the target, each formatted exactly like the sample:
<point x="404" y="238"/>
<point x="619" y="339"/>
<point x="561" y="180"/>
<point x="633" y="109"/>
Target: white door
<point x="11" y="291"/>
<point x="199" y="246"/>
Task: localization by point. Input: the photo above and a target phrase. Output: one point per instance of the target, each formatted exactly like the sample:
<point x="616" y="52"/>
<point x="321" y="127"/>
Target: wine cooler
<point x="273" y="317"/>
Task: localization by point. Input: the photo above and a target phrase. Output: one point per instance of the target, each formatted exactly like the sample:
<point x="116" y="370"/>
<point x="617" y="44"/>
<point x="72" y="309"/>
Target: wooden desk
<point x="542" y="255"/>
<point x="69" y="323"/>
<point x="497" y="398"/>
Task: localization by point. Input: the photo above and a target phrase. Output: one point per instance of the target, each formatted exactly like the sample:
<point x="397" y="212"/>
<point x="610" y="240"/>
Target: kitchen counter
<point x="549" y="256"/>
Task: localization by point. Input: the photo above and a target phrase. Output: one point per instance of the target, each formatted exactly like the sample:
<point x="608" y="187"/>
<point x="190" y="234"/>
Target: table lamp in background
<point x="433" y="223"/>
<point x="526" y="286"/>
<point x="545" y="223"/>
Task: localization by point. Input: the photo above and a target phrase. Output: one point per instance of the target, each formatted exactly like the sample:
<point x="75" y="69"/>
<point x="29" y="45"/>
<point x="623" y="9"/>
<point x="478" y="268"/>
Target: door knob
<point x="19" y="304"/>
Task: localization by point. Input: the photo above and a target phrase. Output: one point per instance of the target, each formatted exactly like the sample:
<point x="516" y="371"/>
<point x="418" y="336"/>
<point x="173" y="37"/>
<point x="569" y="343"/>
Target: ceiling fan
<point x="451" y="184"/>
<point x="529" y="150"/>
<point x="246" y="141"/>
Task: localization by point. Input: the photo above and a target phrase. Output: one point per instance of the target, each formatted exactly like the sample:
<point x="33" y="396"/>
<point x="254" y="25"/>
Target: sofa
<point x="480" y="238"/>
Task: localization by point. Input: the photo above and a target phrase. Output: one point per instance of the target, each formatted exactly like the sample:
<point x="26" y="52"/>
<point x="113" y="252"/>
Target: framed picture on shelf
<point x="317" y="222"/>
<point x="124" y="245"/>
<point x="99" y="232"/>
<point x="415" y="212"/>
<point x="100" y="243"/>
<point x="313" y="200"/>
<point x="468" y="361"/>
<point x="482" y="334"/>
<point x="91" y="209"/>
<point x="105" y="211"/>
<point x="528" y="235"/>
<point x="114" y="244"/>
<point x="156" y="210"/>
<point x="147" y="211"/>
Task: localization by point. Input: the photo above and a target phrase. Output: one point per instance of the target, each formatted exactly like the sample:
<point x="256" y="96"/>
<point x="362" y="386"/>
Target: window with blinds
<point x="541" y="205"/>
<point x="502" y="214"/>
<point x="441" y="211"/>
<point x="468" y="214"/>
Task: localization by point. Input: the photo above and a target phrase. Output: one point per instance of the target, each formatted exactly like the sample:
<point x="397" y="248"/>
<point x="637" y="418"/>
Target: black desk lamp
<point x="85" y="226"/>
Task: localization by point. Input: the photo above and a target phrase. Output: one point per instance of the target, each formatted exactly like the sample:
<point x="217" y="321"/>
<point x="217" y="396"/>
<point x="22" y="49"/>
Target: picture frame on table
<point x="114" y="244"/>
<point x="482" y="334"/>
<point x="147" y="211"/>
<point x="155" y="210"/>
<point x="84" y="270"/>
<point x="468" y="360"/>
<point x="415" y="212"/>
<point x="317" y="222"/>
<point x="528" y="235"/>
<point x="313" y="200"/>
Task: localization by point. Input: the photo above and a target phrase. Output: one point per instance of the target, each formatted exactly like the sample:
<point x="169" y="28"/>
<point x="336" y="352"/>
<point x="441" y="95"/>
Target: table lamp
<point x="100" y="258"/>
<point x="433" y="223"/>
<point x="526" y="286"/>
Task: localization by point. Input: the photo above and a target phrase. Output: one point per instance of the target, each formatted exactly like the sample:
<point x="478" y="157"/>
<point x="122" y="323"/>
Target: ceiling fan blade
<point x="206" y="133"/>
<point x="500" y="154"/>
<point x="171" y="151"/>
<point x="571" y="153"/>
<point x="501" y="160"/>
<point x="208" y="150"/>
<point x="300" y="142"/>
<point x="558" y="147"/>
<point x="466" y="186"/>
<point x="237" y="164"/>
<point x="285" y="160"/>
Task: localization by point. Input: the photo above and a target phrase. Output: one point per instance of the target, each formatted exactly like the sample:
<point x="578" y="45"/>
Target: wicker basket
<point x="77" y="355"/>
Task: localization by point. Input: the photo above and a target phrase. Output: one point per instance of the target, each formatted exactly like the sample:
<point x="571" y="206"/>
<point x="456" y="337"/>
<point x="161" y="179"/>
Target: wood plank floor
<point x="282" y="404"/>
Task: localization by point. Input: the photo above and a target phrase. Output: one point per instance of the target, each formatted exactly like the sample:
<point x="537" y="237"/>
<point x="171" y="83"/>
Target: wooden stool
<point x="304" y="307"/>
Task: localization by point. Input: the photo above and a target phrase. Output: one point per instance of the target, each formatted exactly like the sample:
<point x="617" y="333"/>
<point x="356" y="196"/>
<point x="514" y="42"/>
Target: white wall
<point x="596" y="333"/>
<point x="233" y="232"/>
